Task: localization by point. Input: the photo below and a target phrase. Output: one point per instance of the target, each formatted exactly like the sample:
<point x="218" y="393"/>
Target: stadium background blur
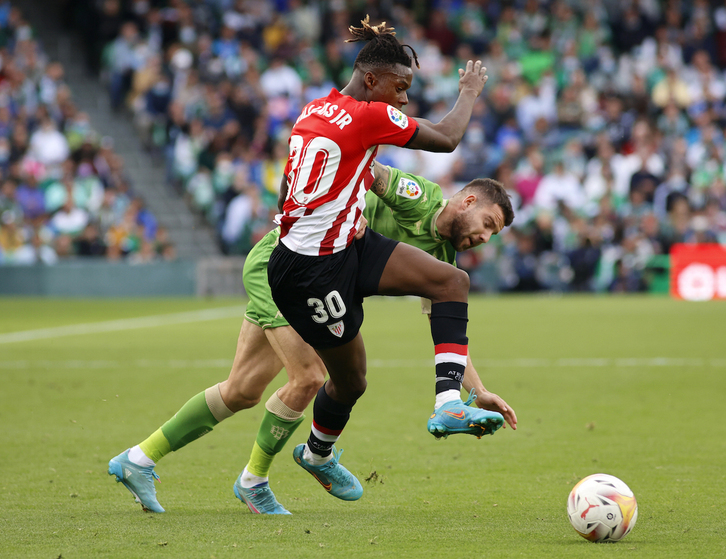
<point x="604" y="119"/>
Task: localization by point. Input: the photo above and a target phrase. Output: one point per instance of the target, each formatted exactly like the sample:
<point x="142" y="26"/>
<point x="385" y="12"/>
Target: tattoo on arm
<point x="380" y="183"/>
<point x="378" y="187"/>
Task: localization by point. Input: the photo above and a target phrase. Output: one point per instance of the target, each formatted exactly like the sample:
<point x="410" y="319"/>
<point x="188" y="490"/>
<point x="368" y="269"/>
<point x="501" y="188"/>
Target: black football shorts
<point x="322" y="296"/>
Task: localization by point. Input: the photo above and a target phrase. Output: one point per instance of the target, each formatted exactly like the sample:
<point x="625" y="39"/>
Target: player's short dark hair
<point x="493" y="192"/>
<point x="383" y="49"/>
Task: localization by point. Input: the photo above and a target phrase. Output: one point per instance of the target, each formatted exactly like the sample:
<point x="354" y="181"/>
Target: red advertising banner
<point x="698" y="272"/>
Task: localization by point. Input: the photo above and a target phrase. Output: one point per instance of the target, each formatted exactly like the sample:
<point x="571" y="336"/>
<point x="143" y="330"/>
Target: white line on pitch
<point x="122" y="324"/>
<point x="648" y="362"/>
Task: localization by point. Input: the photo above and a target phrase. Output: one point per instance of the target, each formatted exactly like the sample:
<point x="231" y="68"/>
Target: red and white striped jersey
<point x="332" y="147"/>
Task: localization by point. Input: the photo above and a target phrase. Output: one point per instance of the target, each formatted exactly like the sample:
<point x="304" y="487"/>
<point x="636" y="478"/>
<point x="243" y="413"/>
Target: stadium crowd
<point x="63" y="190"/>
<point x="604" y="119"/>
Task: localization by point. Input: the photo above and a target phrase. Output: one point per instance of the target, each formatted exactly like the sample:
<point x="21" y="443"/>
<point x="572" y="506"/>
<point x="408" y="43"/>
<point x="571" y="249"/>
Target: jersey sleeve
<point x="409" y="196"/>
<point x="385" y="125"/>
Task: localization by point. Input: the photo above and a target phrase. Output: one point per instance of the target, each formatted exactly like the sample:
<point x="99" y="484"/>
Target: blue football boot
<point x="259" y="499"/>
<point x="137" y="479"/>
<point x="458" y="416"/>
<point x="336" y="480"/>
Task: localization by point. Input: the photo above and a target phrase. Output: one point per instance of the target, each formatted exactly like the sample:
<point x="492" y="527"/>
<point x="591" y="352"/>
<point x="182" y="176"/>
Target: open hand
<point x="474" y="77"/>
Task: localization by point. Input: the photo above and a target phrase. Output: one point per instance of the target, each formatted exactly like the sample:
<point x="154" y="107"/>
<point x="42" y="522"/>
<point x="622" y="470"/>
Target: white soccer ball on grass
<point x="602" y="508"/>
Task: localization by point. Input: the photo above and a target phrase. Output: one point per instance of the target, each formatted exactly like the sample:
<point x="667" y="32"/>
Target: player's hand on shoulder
<point x="492" y="402"/>
<point x="473" y="77"/>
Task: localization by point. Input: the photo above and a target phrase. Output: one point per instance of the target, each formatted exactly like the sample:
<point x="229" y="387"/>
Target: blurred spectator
<point x="559" y="187"/>
<point x="62" y="188"/>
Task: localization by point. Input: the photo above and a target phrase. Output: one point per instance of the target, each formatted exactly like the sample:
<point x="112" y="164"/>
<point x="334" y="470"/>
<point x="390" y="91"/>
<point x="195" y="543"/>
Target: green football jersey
<point x="407" y="212"/>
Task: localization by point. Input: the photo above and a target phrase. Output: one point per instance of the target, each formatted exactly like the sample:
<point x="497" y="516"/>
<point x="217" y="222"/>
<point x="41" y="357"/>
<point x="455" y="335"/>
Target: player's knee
<point x="349" y="391"/>
<point x="357" y="388"/>
<point x="454" y="287"/>
<point x="239" y="398"/>
<point x="309" y="381"/>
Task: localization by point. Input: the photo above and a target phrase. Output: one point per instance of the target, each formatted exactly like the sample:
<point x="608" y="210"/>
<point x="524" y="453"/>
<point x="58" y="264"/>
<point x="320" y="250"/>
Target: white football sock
<point x="137" y="456"/>
<point x="249" y="480"/>
<point x="315" y="459"/>
<point x="446" y="396"/>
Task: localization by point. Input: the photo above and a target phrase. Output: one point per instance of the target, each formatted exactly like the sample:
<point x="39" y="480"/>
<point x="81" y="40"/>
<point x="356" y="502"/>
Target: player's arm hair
<point x="382" y="175"/>
<point x="283" y="193"/>
<point x="472" y="378"/>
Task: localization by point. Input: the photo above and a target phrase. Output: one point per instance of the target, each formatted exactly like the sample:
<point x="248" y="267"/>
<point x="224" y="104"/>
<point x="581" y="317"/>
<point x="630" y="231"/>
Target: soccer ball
<point x="602" y="508"/>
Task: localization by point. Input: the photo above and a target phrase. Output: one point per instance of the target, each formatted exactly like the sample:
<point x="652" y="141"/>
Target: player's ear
<point x="370" y="80"/>
<point x="469" y="201"/>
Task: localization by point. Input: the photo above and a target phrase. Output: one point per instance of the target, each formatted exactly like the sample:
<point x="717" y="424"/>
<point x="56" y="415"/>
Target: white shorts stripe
<point x="324" y="437"/>
<point x="450" y="358"/>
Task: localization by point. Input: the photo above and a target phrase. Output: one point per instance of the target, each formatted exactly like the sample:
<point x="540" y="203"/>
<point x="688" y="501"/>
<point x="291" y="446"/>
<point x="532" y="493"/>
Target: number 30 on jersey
<point x="332" y="305"/>
<point x="313" y="168"/>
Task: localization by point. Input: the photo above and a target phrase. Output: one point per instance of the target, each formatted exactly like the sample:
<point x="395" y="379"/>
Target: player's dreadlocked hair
<point x="383" y="48"/>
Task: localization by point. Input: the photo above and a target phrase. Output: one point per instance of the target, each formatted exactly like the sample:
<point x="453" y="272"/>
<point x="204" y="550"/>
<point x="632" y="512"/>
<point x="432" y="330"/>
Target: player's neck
<point x="356" y="87"/>
<point x="444" y="221"/>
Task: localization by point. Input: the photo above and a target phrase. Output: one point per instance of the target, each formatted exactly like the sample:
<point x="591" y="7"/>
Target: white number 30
<point x="334" y="306"/>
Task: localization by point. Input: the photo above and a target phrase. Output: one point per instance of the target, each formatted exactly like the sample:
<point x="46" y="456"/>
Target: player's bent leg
<point x="411" y="271"/>
<point x="457" y="416"/>
<point x="255" y="365"/>
<point x="198" y="416"/>
<point x="346" y="365"/>
<point x="283" y="415"/>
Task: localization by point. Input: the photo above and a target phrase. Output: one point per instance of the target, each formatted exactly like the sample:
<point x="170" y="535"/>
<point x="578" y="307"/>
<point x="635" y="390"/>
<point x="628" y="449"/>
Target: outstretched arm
<point x="485" y="399"/>
<point x="445" y="135"/>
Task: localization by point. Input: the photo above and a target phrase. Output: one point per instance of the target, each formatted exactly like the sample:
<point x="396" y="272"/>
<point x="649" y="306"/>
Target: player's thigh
<point x="318" y="295"/>
<point x="305" y="370"/>
<point x="255" y="365"/>
<point x="411" y="271"/>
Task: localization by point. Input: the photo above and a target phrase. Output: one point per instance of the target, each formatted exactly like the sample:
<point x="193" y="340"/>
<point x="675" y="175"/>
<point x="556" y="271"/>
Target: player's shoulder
<point x="410" y="186"/>
<point x="384" y="112"/>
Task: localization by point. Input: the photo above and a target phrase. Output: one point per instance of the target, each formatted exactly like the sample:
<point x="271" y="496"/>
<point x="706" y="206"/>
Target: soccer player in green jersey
<point x="400" y="206"/>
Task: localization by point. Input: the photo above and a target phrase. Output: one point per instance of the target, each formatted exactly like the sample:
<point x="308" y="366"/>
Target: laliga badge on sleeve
<point x="408" y="189"/>
<point x="397" y="117"/>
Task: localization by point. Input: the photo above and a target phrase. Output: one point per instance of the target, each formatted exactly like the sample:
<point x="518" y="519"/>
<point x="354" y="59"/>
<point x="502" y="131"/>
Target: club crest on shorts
<point x="337" y="328"/>
<point x="397" y="117"/>
<point x="408" y="188"/>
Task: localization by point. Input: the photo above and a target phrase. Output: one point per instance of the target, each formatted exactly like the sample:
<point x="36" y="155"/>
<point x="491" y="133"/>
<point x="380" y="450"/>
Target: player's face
<point x="391" y="86"/>
<point x="475" y="224"/>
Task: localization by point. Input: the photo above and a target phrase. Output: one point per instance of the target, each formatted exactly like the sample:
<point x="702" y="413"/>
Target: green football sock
<point x="273" y="434"/>
<point x="195" y="418"/>
<point x="260" y="461"/>
<point x="156" y="446"/>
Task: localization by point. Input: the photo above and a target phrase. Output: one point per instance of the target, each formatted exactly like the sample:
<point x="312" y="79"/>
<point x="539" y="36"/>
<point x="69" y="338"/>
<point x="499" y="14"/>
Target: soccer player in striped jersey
<point x="319" y="273"/>
<point x="407" y="208"/>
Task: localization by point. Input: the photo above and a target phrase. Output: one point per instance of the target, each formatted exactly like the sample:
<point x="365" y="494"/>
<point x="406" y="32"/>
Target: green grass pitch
<point x="630" y="386"/>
